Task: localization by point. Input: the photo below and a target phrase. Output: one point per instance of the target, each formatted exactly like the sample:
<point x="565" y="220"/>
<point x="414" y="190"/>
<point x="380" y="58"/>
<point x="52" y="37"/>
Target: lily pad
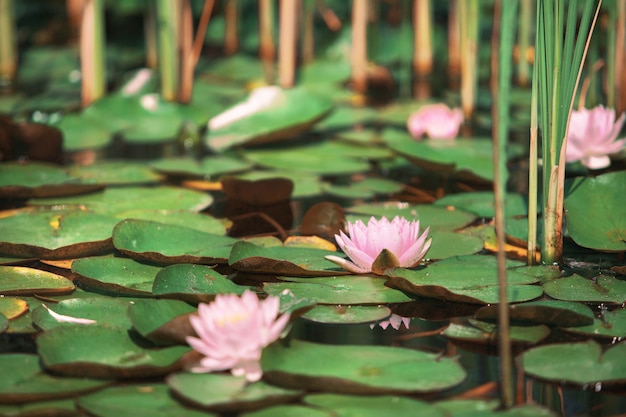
<point x="305" y="184"/>
<point x="21" y="280"/>
<point x="193" y="283"/>
<point x="83" y="131"/>
<point x="12" y="307"/>
<point x="576" y="363"/>
<point x="209" y="167"/>
<point x="50" y="234"/>
<point x="601" y="289"/>
<point x="603" y="196"/>
<point x="161" y="321"/>
<point x="476" y="331"/>
<point x="352" y="405"/>
<point x="549" y="312"/>
<point x="366" y="189"/>
<point x="140" y="400"/>
<point x="449" y="244"/>
<point x="281" y="260"/>
<point x="104" y="352"/>
<point x="301" y="110"/>
<point x="468" y="279"/>
<point x="116" y="275"/>
<point x="61" y="408"/>
<point x="114" y="200"/>
<point x="169" y="244"/>
<point x="482" y="203"/>
<point x="198" y="221"/>
<point x="344" y="290"/>
<point x="348" y="369"/>
<point x="611" y="325"/>
<point x="288" y="410"/>
<point x="115" y="173"/>
<point x="226" y="393"/>
<point x="489" y="408"/>
<point x="23" y="380"/>
<point x="340" y="314"/>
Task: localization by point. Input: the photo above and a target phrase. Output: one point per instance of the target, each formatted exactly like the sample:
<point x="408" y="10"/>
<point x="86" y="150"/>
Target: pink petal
<point x="347" y="265"/>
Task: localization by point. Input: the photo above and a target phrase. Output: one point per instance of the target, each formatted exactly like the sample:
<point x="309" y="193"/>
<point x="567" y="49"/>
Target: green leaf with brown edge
<point x="576" y="363"/>
<point x="288" y="410"/>
<point x="116" y="172"/>
<point x="601" y="289"/>
<point x="210" y="167"/>
<point x="116" y="275"/>
<point x="364" y="370"/>
<point x="114" y="200"/>
<point x="198" y="221"/>
<point x="12" y="307"/>
<point x="346" y="314"/>
<point x="105" y="311"/>
<point x="57" y="408"/>
<point x="226" y="393"/>
<point x="24" y="380"/>
<point x="137" y="400"/>
<point x="489" y="408"/>
<point x="53" y="234"/>
<point x="162" y="321"/>
<point x="104" y="352"/>
<point x="549" y="312"/>
<point x="282" y="260"/>
<point x="21" y="280"/>
<point x="476" y="331"/>
<point x="611" y="325"/>
<point x="605" y="197"/>
<point x="375" y="406"/>
<point x="467" y="279"/>
<point x="345" y="290"/>
<point x="170" y="244"/>
<point x="193" y="283"/>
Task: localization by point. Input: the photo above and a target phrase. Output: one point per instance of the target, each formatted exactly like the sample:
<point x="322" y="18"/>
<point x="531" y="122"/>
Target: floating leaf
<point x="468" y="279"/>
<point x="208" y="167"/>
<point x="482" y="203"/>
<point x="611" y="325"/>
<point x="20" y="280"/>
<point x="288" y="410"/>
<point x="576" y="363"/>
<point x="549" y="312"/>
<point x="198" y="221"/>
<point x="41" y="408"/>
<point x="351" y="369"/>
<point x="51" y="234"/>
<point x="12" y="307"/>
<point x="339" y="290"/>
<point x="116" y="275"/>
<point x="449" y="244"/>
<point x="115" y="172"/>
<point x="352" y="405"/>
<point x="226" y="393"/>
<point x="600" y="195"/>
<point x="476" y="331"/>
<point x="601" y="289"/>
<point x="159" y="320"/>
<point x="348" y="314"/>
<point x="104" y="352"/>
<point x="169" y="244"/>
<point x="139" y="400"/>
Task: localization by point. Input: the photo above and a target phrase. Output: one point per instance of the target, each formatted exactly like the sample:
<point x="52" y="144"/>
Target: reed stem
<point x="422" y="38"/>
<point x="231" y="17"/>
<point x="92" y="52"/>
<point x="287" y="43"/>
<point x="469" y="11"/>
<point x="8" y="44"/>
<point x="168" y="20"/>
<point x="359" y="45"/>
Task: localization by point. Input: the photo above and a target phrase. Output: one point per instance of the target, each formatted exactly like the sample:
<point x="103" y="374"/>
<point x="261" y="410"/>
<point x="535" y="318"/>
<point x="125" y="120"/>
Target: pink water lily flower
<point x="591" y="137"/>
<point x="232" y="332"/>
<point x="381" y="244"/>
<point x="437" y="121"/>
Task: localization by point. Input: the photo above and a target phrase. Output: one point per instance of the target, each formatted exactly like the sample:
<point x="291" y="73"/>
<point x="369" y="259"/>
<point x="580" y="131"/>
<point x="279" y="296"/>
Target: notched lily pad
<point x="21" y="280"/>
<point x="207" y="168"/>
<point x="347" y="369"/>
<point x="116" y="275"/>
<point x="475" y="331"/>
<point x="549" y="312"/>
<point x="12" y="307"/>
<point x="352" y="405"/>
<point x="115" y="172"/>
<point x="49" y="234"/>
<point x="226" y="393"/>
<point x="348" y="314"/>
<point x="601" y="289"/>
<point x="169" y="244"/>
<point x="198" y="221"/>
<point x="104" y="352"/>
<point x="162" y="321"/>
<point x="282" y="260"/>
<point x="611" y="325"/>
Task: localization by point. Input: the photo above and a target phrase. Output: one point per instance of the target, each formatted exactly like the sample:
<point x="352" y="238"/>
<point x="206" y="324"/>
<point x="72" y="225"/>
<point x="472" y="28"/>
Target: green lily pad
<point x="104" y="352"/>
<point x="366" y="189"/>
<point x="549" y="312"/>
<point x="351" y="369"/>
<point x="198" y="221"/>
<point x="169" y="244"/>
<point x="304" y="184"/>
<point x="482" y="203"/>
<point x="612" y="325"/>
<point x="468" y="279"/>
<point x="340" y="314"/>
<point x="51" y="234"/>
<point x="23" y="380"/>
<point x="140" y="400"/>
<point x="115" y="173"/>
<point x="193" y="283"/>
<point x="601" y="289"/>
<point x="281" y="260"/>
<point x="162" y="321"/>
<point x="449" y="244"/>
<point x="344" y="290"/>
<point x="84" y="131"/>
<point x="301" y="110"/>
<point x="576" y="363"/>
<point x="325" y="158"/>
<point x="488" y="408"/>
<point x="114" y="200"/>
<point x="288" y="410"/>
<point x="352" y="405"/>
<point x="428" y="215"/>
<point x="220" y="392"/>
<point x="107" y="311"/>
<point x="4" y="323"/>
<point x="12" y="307"/>
<point x="209" y="167"/>
<point x="116" y="275"/>
<point x="604" y="196"/>
<point x="21" y="280"/>
<point x="476" y="331"/>
<point x="61" y="408"/>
